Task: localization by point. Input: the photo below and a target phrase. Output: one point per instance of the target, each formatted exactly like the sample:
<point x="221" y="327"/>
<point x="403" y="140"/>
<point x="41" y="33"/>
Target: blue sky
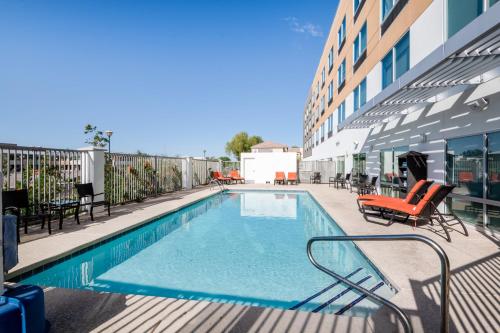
<point x="168" y="77"/>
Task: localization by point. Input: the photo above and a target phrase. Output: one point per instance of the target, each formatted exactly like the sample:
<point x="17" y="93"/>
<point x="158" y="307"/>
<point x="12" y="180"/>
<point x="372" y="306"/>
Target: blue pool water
<point x="243" y="247"/>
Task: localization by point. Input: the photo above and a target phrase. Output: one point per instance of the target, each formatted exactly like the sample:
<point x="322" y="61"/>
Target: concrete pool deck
<point x="412" y="268"/>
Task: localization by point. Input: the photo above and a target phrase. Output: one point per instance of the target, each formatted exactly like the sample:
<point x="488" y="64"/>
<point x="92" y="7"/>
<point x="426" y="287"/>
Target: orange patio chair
<point x="279" y="178"/>
<point x="292" y="178"/>
<point x="417" y="192"/>
<point x="218" y="175"/>
<point x="235" y="175"/>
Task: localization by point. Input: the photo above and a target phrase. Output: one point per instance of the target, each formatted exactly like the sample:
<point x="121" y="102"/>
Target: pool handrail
<point x="445" y="273"/>
<point x="215" y="182"/>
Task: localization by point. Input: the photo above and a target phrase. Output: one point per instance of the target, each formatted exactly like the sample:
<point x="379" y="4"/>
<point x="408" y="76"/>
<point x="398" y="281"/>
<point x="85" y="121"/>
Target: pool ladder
<point x="365" y="293"/>
<point x="216" y="183"/>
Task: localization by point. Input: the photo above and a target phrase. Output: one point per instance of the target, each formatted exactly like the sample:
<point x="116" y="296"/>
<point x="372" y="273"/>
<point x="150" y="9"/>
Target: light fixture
<point x="479" y="104"/>
<point x="109" y="133"/>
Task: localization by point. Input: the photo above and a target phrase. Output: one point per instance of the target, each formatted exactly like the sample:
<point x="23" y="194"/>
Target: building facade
<point x="422" y="75"/>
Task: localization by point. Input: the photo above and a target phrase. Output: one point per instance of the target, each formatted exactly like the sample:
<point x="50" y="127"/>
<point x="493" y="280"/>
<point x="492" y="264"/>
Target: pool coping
<point x="21" y="272"/>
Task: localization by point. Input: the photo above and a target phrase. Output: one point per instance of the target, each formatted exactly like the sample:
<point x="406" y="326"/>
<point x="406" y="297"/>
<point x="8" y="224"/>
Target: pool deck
<point x="413" y="268"/>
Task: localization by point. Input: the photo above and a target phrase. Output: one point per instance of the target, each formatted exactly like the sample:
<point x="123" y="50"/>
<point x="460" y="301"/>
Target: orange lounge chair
<point x="292" y="178"/>
<point x="279" y="178"/>
<point x="235" y="175"/>
<point x="417" y="192"/>
<point x="425" y="209"/>
<point x="218" y="175"/>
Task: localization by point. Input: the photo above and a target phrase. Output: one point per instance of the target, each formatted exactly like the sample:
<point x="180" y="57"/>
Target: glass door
<point x="358" y="165"/>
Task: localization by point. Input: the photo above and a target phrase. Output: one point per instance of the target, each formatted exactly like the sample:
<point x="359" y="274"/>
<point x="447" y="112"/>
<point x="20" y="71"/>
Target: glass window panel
<point x="493" y="216"/>
<point x="341" y="164"/>
<point x="362" y="93"/>
<point x="356" y="98"/>
<point x="492" y="2"/>
<point x="461" y="12"/>
<point x="359" y="164"/>
<point x="402" y="50"/>
<point x="386" y="174"/>
<point x="356" y="49"/>
<point x="356" y="5"/>
<point x="362" y="36"/>
<point x="471" y="212"/>
<point x="387" y="70"/>
<point x="464" y="165"/>
<point x="386" y="7"/>
<point x="494" y="166"/>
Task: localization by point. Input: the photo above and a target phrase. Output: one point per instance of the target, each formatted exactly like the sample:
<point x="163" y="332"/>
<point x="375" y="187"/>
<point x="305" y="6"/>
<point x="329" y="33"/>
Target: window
<point x="389" y="163"/>
<point x="493" y="166"/>
<point x="341" y="112"/>
<point x="356" y="5"/>
<point x="402" y="55"/>
<point x="330" y="124"/>
<point x="387" y="70"/>
<point x="465" y="162"/>
<point x="461" y="12"/>
<point x="387" y="6"/>
<point x="397" y="61"/>
<point x="359" y="43"/>
<point x="322" y="132"/>
<point x="317" y="137"/>
<point x="464" y="165"/>
<point x="341" y="34"/>
<point x="341" y="73"/>
<point x="322" y="105"/>
<point x="341" y="164"/>
<point x="358" y="165"/>
<point x="317" y="90"/>
<point x="323" y="76"/>
<point x="330" y="92"/>
<point x="360" y="95"/>
<point x="330" y="59"/>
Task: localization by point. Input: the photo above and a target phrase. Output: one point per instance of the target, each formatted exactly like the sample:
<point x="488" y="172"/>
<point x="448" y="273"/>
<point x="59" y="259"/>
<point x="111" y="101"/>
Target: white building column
<point x="187" y="173"/>
<point x="93" y="163"/>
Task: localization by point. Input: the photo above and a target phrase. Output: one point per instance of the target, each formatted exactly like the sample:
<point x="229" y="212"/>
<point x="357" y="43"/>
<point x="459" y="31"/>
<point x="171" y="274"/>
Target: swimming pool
<point x="242" y="247"/>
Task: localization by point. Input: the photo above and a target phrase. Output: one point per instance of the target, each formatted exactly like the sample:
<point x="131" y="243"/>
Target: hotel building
<point x="413" y="75"/>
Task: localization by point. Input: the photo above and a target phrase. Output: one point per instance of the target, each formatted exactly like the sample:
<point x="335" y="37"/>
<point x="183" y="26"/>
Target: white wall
<point x="260" y="168"/>
<point x="428" y="32"/>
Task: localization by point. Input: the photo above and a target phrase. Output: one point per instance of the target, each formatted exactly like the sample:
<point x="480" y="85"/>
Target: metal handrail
<point x="445" y="273"/>
<point x="218" y="183"/>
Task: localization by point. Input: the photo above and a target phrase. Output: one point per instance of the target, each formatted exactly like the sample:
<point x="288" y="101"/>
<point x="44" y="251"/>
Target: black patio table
<point x="60" y="206"/>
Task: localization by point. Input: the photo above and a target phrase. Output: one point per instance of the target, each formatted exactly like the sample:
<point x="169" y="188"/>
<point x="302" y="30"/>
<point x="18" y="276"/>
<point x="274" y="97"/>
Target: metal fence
<point x="48" y="174"/>
<point x="326" y="169"/>
<point x="134" y="177"/>
<point x="202" y="169"/>
<point x="227" y="166"/>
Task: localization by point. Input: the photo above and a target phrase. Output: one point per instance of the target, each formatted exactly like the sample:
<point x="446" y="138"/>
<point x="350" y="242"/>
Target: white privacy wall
<point x="260" y="168"/>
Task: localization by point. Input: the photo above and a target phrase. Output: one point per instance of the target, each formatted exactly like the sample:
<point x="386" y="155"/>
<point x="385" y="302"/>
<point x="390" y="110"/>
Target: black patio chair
<point x="348" y="182"/>
<point x="87" y="191"/>
<point x="14" y="201"/>
<point x="361" y="183"/>
<point x="371" y="187"/>
<point x="316" y="178"/>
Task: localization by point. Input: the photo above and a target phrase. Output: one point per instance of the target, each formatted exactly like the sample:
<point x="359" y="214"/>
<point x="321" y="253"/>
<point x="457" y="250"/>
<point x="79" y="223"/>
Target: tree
<point x="224" y="158"/>
<point x="241" y="143"/>
<point x="95" y="137"/>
